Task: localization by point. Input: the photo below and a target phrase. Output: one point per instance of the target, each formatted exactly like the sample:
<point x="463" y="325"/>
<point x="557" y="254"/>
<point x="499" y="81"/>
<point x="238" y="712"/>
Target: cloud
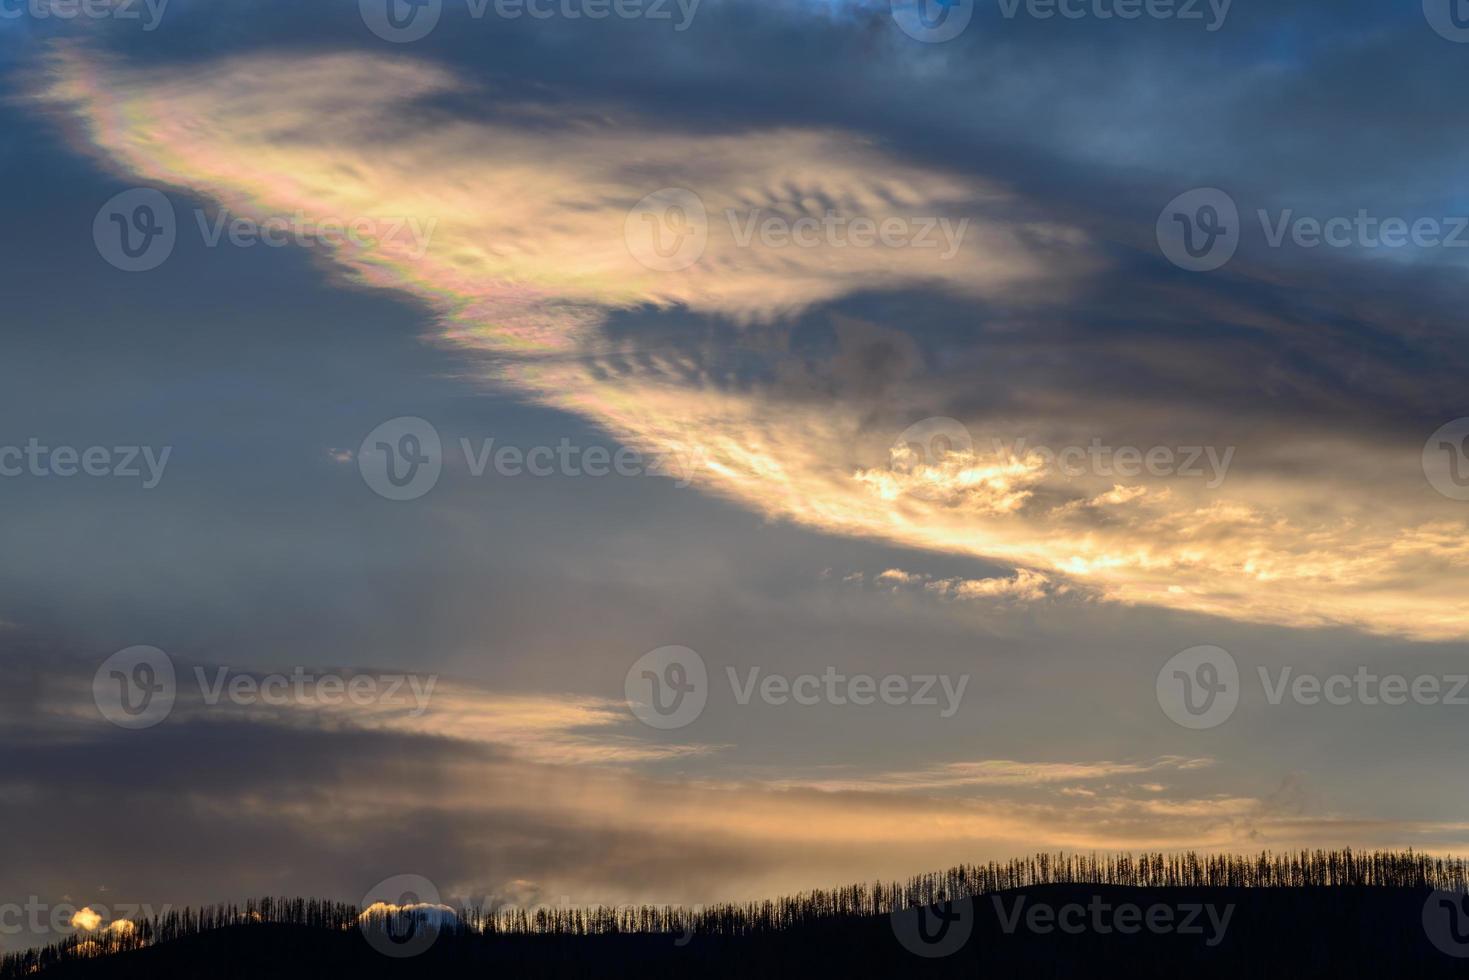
<point x="528" y="264"/>
<point x="361" y="806"/>
<point x="440" y="915"/>
<point x="561" y="729"/>
<point x="896" y="576"/>
<point x="86" y="920"/>
<point x="1025" y="585"/>
<point x="526" y="213"/>
<point x="998" y="772"/>
<point x="316" y="802"/>
<point x="557" y="729"/>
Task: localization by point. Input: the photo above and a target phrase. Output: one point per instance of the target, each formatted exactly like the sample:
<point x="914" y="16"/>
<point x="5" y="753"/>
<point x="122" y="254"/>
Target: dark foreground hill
<point x="1042" y="931"/>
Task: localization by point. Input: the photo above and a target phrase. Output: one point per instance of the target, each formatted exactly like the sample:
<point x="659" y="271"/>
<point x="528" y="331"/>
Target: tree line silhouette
<point x="1300" y="869"/>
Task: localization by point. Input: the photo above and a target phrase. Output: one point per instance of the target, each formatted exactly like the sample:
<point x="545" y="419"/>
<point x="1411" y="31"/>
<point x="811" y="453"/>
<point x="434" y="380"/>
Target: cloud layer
<point x="532" y="261"/>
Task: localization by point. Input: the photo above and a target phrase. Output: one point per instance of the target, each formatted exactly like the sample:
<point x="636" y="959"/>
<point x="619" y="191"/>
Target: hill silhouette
<point x="1319" y="914"/>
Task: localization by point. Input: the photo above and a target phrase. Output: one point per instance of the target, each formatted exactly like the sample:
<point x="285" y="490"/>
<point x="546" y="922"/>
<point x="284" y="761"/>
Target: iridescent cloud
<point x="529" y="259"/>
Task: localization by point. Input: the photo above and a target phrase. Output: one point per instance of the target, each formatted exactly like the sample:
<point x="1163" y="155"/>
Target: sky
<point x="1072" y="394"/>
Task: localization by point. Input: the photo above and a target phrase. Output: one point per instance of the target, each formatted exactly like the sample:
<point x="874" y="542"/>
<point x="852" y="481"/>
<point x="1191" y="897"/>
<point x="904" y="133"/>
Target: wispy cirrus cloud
<point x="556" y="729"/>
<point x="545" y="728"/>
<point x="997" y="773"/>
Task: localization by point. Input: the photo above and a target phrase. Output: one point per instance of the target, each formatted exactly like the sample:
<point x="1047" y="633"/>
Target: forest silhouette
<point x="1294" y="914"/>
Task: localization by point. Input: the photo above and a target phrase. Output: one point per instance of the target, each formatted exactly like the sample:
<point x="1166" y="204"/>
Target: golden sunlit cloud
<point x="86" y="920"/>
<point x="559" y="729"/>
<point x="529" y="256"/>
<point x="381" y="910"/>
